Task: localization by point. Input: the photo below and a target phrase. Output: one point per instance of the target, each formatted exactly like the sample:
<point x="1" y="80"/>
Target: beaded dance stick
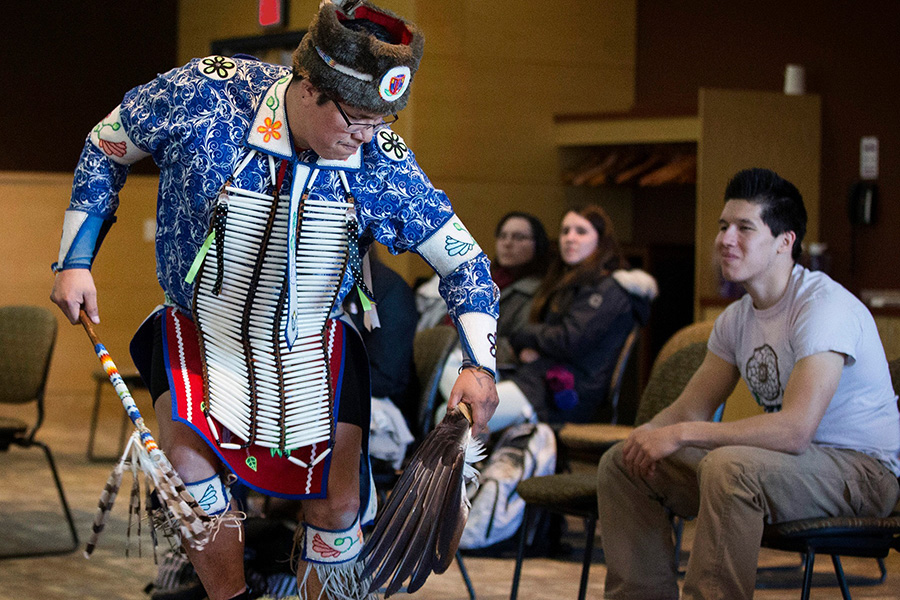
<point x="190" y="520"/>
<point x="121" y="389"/>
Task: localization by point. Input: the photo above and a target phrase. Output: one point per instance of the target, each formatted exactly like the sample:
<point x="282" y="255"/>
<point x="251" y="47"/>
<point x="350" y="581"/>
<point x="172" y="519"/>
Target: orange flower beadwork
<point x="270" y="130"/>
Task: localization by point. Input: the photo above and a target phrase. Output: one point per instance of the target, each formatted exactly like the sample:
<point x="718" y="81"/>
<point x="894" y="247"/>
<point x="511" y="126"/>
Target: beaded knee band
<point x="324" y="546"/>
<point x="211" y="494"/>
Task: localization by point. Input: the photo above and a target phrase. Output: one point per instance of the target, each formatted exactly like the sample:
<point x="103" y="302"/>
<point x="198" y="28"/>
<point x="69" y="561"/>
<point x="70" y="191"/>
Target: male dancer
<point x="273" y="181"/>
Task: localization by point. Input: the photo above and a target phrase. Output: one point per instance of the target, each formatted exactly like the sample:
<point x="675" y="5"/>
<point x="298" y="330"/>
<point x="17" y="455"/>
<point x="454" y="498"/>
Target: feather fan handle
<point x="465" y="410"/>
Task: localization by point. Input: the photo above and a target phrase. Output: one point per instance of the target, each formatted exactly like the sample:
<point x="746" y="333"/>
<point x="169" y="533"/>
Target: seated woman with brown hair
<point x="582" y="313"/>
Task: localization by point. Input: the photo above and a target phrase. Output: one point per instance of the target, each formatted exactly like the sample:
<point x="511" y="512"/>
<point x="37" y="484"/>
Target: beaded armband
<point x="81" y="238"/>
<point x="449" y="247"/>
<point x="478" y="337"/>
<point x="331" y="546"/>
<point x="212" y="494"/>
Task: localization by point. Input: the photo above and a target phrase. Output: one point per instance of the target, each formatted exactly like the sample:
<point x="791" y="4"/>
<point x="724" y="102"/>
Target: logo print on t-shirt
<point x="762" y="376"/>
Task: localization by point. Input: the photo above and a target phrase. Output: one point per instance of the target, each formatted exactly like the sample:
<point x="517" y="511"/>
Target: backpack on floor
<point x="523" y="451"/>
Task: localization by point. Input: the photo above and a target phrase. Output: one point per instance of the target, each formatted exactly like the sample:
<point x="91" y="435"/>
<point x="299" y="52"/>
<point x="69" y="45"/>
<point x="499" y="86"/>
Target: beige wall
<point x="494" y="74"/>
<point x="32" y="205"/>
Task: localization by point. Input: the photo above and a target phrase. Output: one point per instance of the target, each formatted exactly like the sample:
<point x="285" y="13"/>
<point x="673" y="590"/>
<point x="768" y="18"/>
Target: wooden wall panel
<point x="32" y="205"/>
<point x="849" y="51"/>
<point x="493" y="77"/>
<point x="495" y="121"/>
<point x="752" y="129"/>
<point x="65" y="65"/>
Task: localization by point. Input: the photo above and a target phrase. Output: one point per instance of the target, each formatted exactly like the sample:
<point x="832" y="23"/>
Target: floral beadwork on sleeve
<point x="193" y="121"/>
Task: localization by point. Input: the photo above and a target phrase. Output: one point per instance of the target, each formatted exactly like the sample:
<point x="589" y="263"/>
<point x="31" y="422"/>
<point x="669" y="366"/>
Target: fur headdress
<point x="354" y="65"/>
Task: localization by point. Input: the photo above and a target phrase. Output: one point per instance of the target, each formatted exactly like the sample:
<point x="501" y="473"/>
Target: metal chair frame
<point x="590" y="526"/>
<point x="860" y="540"/>
<point x="17" y="433"/>
<point x="840" y="536"/>
<point x="583" y="502"/>
<point x="618" y="374"/>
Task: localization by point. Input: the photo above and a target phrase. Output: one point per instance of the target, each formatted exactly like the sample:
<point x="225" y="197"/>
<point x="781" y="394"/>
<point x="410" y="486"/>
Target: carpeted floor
<point x="29" y="515"/>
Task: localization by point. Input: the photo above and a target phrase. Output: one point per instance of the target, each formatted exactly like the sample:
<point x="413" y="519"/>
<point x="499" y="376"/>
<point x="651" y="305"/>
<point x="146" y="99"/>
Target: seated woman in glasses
<point x="522" y="253"/>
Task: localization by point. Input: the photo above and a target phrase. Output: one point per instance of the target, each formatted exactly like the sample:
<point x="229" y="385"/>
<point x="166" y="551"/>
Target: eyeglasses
<point x="358" y="127"/>
<point x="514" y="236"/>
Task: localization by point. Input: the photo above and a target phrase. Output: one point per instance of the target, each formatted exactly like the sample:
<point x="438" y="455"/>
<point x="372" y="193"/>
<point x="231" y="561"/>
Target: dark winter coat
<point x="583" y="331"/>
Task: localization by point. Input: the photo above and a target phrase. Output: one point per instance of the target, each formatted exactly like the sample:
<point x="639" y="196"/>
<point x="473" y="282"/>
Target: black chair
<point x="839" y="536"/>
<point x="431" y="347"/>
<point x="576" y="493"/>
<point x="27" y="338"/>
<point x="618" y="374"/>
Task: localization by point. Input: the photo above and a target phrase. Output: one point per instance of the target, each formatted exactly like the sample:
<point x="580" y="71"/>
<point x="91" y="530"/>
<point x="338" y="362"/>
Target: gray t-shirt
<point x="816" y="315"/>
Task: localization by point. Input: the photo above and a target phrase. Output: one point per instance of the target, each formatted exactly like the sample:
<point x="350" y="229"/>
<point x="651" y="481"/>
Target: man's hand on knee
<point x="646" y="446"/>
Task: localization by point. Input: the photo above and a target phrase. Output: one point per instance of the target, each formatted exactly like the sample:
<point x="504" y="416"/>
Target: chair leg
<point x="520" y="555"/>
<point x="124" y="429"/>
<point x="65" y="506"/>
<point x="808" y="560"/>
<point x="883" y="570"/>
<point x="839" y="572"/>
<point x="678" y="530"/>
<point x="465" y="575"/>
<point x="590" y="525"/>
<point x="62" y="495"/>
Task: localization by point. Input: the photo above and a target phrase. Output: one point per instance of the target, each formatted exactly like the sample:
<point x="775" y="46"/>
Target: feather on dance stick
<point x="134" y="510"/>
<point x="142" y="451"/>
<point x="105" y="504"/>
<point x="418" y="532"/>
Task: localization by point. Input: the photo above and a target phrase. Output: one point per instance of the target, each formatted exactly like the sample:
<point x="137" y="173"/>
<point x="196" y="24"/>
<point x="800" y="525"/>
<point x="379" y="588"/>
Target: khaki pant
<point x="732" y="491"/>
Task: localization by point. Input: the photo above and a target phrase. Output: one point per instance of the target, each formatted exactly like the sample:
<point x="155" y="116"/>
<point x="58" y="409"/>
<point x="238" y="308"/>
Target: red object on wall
<point x="271" y="12"/>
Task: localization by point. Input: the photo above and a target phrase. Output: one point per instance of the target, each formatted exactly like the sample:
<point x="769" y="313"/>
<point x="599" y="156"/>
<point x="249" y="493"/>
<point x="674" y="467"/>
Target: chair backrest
<point x="668" y="380"/>
<point x="27" y="337"/>
<point x="672" y="372"/>
<point x="695" y="332"/>
<point x="615" y="382"/>
<point x="430" y="350"/>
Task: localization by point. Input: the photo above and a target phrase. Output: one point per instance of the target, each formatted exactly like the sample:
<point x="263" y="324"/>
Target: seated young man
<point x="827" y="444"/>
